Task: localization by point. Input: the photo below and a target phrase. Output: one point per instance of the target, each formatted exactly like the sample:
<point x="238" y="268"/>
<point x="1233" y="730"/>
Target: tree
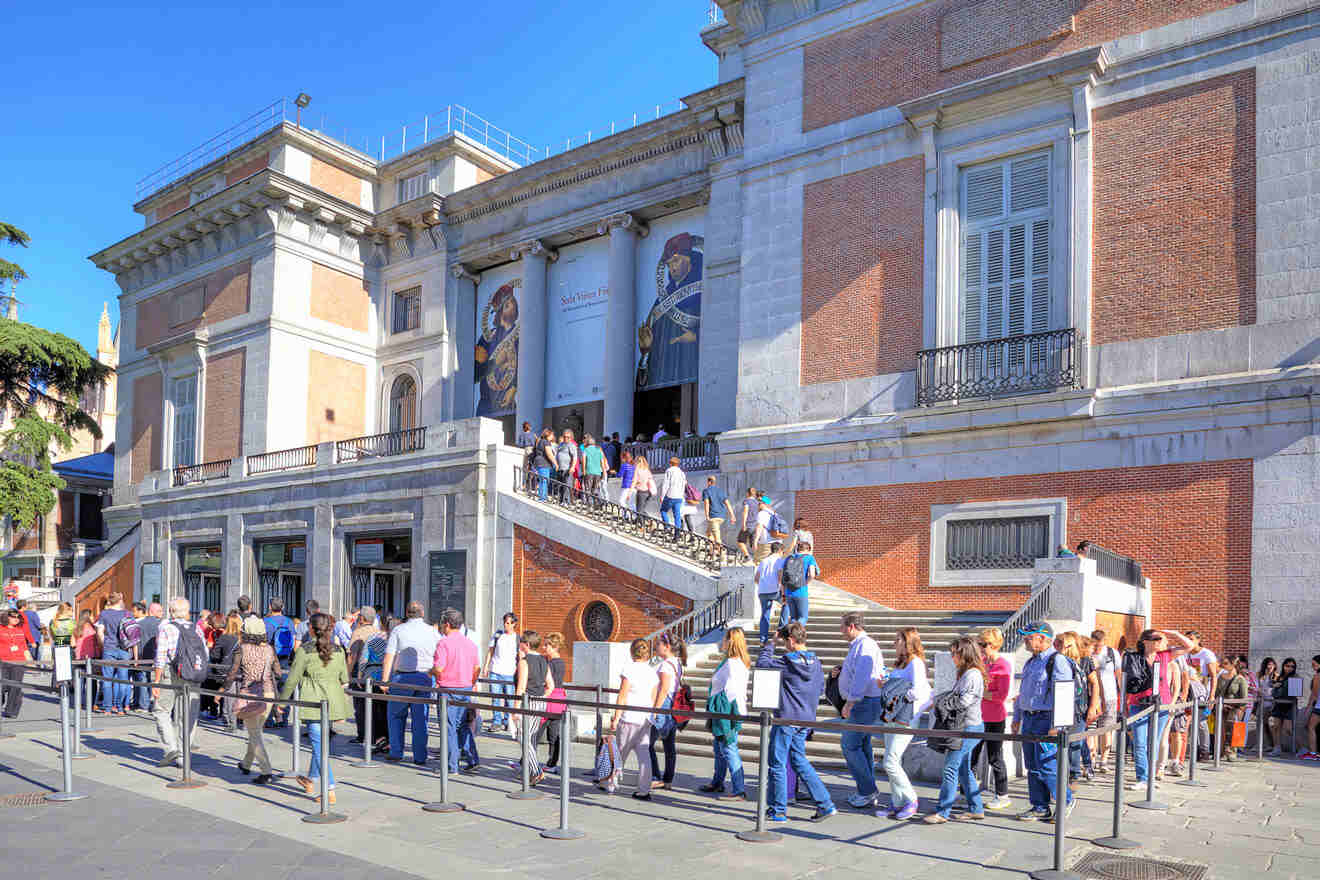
<point x="42" y="378"/>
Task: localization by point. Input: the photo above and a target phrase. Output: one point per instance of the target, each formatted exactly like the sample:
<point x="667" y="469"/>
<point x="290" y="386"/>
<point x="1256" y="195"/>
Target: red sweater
<point x="995" y="702"/>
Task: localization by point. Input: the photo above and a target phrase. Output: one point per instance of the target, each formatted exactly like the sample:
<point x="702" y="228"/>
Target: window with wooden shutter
<point x="185" y="421"/>
<point x="412" y="187"/>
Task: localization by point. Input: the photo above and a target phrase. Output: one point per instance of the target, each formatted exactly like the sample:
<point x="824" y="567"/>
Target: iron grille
<point x="1012" y="365"/>
<point x="282" y="460"/>
<point x="1116" y="566"/>
<point x="407" y="310"/>
<point x="201" y="473"/>
<point x="597" y="622"/>
<point x="381" y="445"/>
<point x="1006" y="542"/>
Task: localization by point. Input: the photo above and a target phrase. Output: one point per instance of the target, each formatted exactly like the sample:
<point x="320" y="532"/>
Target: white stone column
<point x="620" y="318"/>
<point x="461" y="306"/>
<point x="532" y="314"/>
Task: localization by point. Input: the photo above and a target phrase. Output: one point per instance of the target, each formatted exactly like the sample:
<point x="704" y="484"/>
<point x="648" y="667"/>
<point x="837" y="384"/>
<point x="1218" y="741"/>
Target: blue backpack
<point x="282" y="638"/>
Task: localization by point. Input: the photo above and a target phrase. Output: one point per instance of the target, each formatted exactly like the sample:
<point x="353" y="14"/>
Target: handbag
<point x="1239" y="735"/>
<point x="554" y="703"/>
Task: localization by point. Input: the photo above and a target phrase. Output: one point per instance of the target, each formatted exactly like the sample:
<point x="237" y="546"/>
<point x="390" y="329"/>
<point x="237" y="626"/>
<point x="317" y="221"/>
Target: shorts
<point x="1181" y="722"/>
<point x="1104" y="719"/>
<point x="744" y="536"/>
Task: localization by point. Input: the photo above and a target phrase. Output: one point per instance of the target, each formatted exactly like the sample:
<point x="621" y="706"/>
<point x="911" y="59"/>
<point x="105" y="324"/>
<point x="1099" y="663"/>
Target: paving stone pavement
<point x="1252" y="820"/>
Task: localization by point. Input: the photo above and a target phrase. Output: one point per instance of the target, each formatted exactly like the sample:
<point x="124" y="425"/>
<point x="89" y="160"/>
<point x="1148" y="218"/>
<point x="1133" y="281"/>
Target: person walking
<point x="177" y="643"/>
<point x="672" y="489"/>
<point x="631" y="727"/>
<point x="14" y="641"/>
<point x="799" y="570"/>
<point x="967" y="694"/>
<point x="253" y="673"/>
<point x="593" y="468"/>
<point x="801" y="683"/>
<point x="909" y="666"/>
<point x="454" y="665"/>
<point x="114" y="695"/>
<point x="728" y="694"/>
<point x="409" y="653"/>
<point x="769" y="586"/>
<point x="1035" y="706"/>
<point x="643" y="485"/>
<point x="319" y="668"/>
<point x="994" y="713"/>
<point x="551" y="646"/>
<point x="627" y="492"/>
<point x="715" y="502"/>
<point x="565" y="465"/>
<point x="1139" y="669"/>
<point x="673" y="657"/>
<point x="859" y="685"/>
<point x="366" y="653"/>
<point x="502" y="666"/>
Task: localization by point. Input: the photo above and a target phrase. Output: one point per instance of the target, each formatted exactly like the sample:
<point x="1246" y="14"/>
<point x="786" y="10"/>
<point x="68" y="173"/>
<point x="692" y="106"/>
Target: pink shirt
<point x="455" y="657"/>
<point x="995" y="702"/>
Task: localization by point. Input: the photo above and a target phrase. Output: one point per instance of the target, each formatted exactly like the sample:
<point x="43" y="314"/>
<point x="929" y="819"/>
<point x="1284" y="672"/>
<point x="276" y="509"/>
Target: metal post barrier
<point x="525" y="793"/>
<point x="1219" y="731"/>
<point x="185" y="714"/>
<point x="1116" y="840"/>
<point x="1060" y="814"/>
<point x="1262" y="723"/>
<point x="1152" y="748"/>
<point x="366" y="736"/>
<point x="600" y="719"/>
<point x="1194" y="745"/>
<point x="87" y="707"/>
<point x="295" y="735"/>
<point x="3" y="734"/>
<point x="563" y="832"/>
<point x="324" y="816"/>
<point x="78" y="753"/>
<point x="760" y="835"/>
<point x="66" y="751"/>
<point x="443" y="805"/>
<point x="1296" y="716"/>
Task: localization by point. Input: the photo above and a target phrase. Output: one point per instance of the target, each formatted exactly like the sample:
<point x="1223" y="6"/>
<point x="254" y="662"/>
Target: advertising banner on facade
<point x="669" y="263"/>
<point x="575" y="334"/>
<point x="496" y="358"/>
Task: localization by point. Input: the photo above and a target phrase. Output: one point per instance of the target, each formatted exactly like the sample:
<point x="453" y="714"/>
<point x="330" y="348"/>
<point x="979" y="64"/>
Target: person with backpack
<point x="319" y="668"/>
<point x="1139" y="674"/>
<point x="109" y="629"/>
<point x="1087" y="705"/>
<point x="181" y="656"/>
<point x="800" y="569"/>
<point x="1034" y="716"/>
<point x="801" y="683"/>
<point x="280" y="634"/>
<point x="672" y="652"/>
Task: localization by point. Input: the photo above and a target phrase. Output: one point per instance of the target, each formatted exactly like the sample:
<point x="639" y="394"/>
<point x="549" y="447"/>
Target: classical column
<point x="620" y="320"/>
<point x="532" y="310"/>
<point x="461" y="315"/>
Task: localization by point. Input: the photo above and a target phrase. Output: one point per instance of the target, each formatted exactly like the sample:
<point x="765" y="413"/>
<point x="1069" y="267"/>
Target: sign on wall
<point x="575" y="333"/>
<point x="368" y="551"/>
<point x="496" y="357"/>
<point x="153" y="581"/>
<point x="670" y="274"/>
<point x="446" y="582"/>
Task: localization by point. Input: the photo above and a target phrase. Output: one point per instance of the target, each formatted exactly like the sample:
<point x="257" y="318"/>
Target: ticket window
<point x="280" y="569"/>
<point x="201" y="578"/>
<point x="382" y="573"/>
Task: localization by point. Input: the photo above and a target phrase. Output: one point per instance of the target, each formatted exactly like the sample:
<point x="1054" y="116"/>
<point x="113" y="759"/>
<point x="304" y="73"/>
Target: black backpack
<point x="192" y="662"/>
<point x="1137" y="673"/>
<point x="793" y="577"/>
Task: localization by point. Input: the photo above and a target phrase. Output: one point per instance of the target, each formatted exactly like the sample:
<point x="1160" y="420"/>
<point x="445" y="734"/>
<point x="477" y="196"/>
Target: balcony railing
<point x="282" y="460"/>
<point x="694" y="453"/>
<point x="1116" y="566"/>
<point x="381" y="445"/>
<point x="1013" y="365"/>
<point x="201" y="473"/>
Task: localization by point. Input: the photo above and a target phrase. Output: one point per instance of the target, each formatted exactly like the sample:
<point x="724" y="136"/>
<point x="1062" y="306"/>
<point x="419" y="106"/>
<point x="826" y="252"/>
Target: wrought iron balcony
<point x="282" y="460"/>
<point x="201" y="473"/>
<point x="1116" y="566"/>
<point x="381" y="445"/>
<point x="1012" y="365"/>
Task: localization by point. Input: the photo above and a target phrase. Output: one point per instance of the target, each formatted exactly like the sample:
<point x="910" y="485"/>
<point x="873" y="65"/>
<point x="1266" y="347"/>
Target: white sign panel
<point x="1295" y="687"/>
<point x="63" y="663"/>
<point x="1063" y="705"/>
<point x="765" y="689"/>
<point x="578" y="298"/>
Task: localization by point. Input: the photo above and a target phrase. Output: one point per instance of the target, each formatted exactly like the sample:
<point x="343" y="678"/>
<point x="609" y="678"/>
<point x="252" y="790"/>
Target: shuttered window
<point x="1007" y="542"/>
<point x="412" y="187"/>
<point x="1005" y="248"/>
<point x="185" y="421"/>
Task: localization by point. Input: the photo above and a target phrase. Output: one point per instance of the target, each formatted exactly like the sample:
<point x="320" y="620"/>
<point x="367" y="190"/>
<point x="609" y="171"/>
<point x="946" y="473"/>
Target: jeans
<point x="460" y="735"/>
<point x="419" y="713"/>
<point x="671" y="510"/>
<point x="542" y="484"/>
<point x="314" y="766"/>
<point x="901" y="792"/>
<point x="857" y="746"/>
<point x="500" y="684"/>
<point x="788" y="747"/>
<point x="727" y="758"/>
<point x="1079" y="753"/>
<point x="1140" y="743"/>
<point x="994" y="756"/>
<point x="1042" y="761"/>
<point x="143" y="693"/>
<point x="664" y="736"/>
<point x="114" y="693"/>
<point x="767" y="600"/>
<point x="797" y="608"/>
<point x="958" y="773"/>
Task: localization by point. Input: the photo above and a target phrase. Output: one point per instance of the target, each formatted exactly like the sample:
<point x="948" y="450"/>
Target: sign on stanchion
<point x="324" y="816"/>
<point x="444" y="805"/>
<point x="563" y="832"/>
<point x="63" y="677"/>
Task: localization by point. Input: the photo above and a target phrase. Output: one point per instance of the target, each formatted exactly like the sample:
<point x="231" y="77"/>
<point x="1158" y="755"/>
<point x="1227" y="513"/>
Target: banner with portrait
<point x="578" y="298"/>
<point x="669" y="300"/>
<point x="495" y="370"/>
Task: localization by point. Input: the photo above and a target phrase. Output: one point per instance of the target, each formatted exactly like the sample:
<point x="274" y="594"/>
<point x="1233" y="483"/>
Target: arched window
<point x="403" y="404"/>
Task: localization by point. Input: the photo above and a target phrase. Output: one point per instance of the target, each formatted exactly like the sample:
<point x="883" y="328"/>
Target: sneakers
<point x="1000" y="803"/>
<point x="822" y="815"/>
<point x="710" y="789"/>
<point x="1275" y="752"/>
<point x="776" y="818"/>
<point x="1175" y="770"/>
<point x="1036" y="814"/>
<point x="861" y="801"/>
<point x="907" y="811"/>
<point x="168" y="759"/>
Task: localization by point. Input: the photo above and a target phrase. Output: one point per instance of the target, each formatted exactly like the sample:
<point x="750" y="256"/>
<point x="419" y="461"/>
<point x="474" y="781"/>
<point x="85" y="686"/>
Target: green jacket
<point x="320" y="681"/>
<point x="722" y="728"/>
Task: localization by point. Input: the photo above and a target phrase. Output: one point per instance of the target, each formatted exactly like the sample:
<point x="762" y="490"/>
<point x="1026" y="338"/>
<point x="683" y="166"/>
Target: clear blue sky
<point x="103" y="94"/>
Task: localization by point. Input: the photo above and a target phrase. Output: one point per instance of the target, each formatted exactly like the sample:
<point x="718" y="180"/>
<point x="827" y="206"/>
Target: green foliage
<point x="13" y="235"/>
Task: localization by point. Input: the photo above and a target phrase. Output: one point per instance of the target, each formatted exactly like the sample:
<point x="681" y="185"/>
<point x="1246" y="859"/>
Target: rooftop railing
<point x="202" y="473"/>
<point x="282" y="460"/>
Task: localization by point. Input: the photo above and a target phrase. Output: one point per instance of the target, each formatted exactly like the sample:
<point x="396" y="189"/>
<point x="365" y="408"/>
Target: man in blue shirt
<point x="33" y="625"/>
<point x="280" y="635"/>
<point x="1035" y="717"/>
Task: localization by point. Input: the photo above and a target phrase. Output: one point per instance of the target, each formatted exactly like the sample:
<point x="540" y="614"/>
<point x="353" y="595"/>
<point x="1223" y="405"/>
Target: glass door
<point x="383" y="592"/>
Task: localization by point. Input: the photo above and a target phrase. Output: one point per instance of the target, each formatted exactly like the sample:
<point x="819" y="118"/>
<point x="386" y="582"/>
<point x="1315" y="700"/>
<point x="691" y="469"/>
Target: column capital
<point x="622" y="221"/>
<point x="534" y="248"/>
<point x="463" y="273"/>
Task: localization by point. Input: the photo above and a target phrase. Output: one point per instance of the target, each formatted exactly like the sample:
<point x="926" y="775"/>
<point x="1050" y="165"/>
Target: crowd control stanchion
<point x="1261" y="724"/>
<point x="3" y="733"/>
<point x="443" y="805"/>
<point x="600" y="719"/>
<point x="185" y="713"/>
<point x="1060" y="814"/>
<point x="78" y="753"/>
<point x="525" y="793"/>
<point x="1116" y="840"/>
<point x="1194" y="745"/>
<point x="1152" y="748"/>
<point x="366" y="737"/>
<point x="1219" y="731"/>
<point x="324" y="816"/>
<point x="760" y="835"/>
<point x="66" y="750"/>
<point x="563" y="832"/>
<point x="295" y="735"/>
<point x="87" y="705"/>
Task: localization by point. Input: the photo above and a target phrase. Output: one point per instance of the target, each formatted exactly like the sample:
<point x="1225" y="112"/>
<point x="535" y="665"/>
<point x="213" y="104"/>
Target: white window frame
<point x="942" y="514"/>
<point x="178" y="415"/>
<point x="407" y="183"/>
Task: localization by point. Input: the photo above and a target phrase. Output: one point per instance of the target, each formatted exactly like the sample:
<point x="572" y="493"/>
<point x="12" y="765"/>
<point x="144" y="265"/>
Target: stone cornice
<point x="533" y="248"/>
<point x="622" y="220"/>
<point x="462" y="273"/>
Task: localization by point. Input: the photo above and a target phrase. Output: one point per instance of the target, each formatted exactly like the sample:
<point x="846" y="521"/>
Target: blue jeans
<point x="419" y="713"/>
<point x="143" y="693"/>
<point x="542" y="485"/>
<point x="314" y="768"/>
<point x="672" y="509"/>
<point x="857" y="746"/>
<point x="501" y="684"/>
<point x="1141" y="742"/>
<point x="797" y="608"/>
<point x="767" y="600"/>
<point x="1042" y="761"/>
<point x="460" y="734"/>
<point x="727" y="759"/>
<point x="958" y="772"/>
<point x="114" y="693"/>
<point x="788" y="748"/>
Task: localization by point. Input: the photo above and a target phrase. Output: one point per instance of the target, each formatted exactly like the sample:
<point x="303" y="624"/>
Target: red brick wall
<point x="223" y="295"/>
<point x="1175" y="210"/>
<point x="898" y="57"/>
<point x="552" y="583"/>
<point x="148" y="407"/>
<point x="246" y="168"/>
<point x="1189" y="525"/>
<point x="862" y="246"/>
<point x="223" y="425"/>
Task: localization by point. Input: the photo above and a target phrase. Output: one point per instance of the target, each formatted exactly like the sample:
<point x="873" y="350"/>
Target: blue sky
<point x="107" y="93"/>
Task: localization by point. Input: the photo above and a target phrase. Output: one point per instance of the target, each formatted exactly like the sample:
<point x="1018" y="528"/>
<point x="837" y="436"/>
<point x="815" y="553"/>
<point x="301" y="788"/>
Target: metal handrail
<point x="236" y="135"/>
<point x="1115" y="566"/>
<point x="622" y="520"/>
<point x="1009" y="365"/>
<point x="380" y="445"/>
<point x="699" y="621"/>
<point x="693" y="453"/>
<point x="1035" y="608"/>
<point x="282" y="460"/>
<point x="201" y="473"/>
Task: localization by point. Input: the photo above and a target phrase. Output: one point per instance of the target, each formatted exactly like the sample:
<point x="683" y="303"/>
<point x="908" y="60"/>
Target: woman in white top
<point x="673" y="657"/>
<point x="910" y="663"/>
<point x="631" y="728"/>
<point x="730" y="679"/>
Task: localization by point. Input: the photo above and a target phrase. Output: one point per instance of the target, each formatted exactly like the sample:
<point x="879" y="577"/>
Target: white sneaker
<point x="861" y="801"/>
<point x="1000" y="803"/>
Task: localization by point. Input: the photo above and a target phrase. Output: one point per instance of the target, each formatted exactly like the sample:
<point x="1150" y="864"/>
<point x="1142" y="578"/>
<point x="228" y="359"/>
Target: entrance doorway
<point x="201" y="578"/>
<point x="382" y="573"/>
<point x="674" y="407"/>
<point x="281" y="566"/>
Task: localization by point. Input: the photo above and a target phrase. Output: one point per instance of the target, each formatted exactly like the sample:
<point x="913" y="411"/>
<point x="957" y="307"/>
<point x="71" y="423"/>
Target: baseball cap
<point x="765" y="499"/>
<point x="1037" y="628"/>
